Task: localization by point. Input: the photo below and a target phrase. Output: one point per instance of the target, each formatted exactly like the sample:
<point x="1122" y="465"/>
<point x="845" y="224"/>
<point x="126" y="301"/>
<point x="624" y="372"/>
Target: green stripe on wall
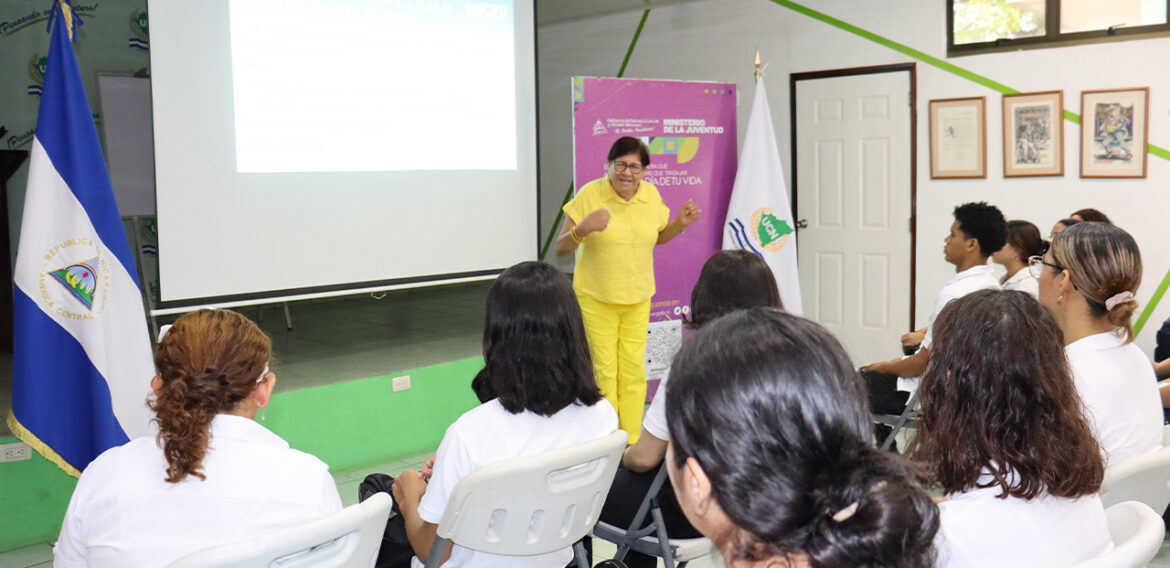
<point x="361" y="423"/>
<point x="1073" y="117"/>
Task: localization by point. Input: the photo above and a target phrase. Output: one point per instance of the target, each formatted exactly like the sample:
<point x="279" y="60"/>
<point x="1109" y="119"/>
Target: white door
<point x="853" y="188"/>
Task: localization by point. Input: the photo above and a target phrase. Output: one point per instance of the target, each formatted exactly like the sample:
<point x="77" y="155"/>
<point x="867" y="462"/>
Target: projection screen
<point x="310" y="146"/>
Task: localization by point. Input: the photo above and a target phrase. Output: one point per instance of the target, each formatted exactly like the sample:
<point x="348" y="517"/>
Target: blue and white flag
<point x="81" y="359"/>
<point x="759" y="217"/>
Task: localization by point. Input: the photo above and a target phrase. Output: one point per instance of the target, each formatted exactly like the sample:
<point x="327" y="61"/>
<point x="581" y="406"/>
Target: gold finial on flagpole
<point x="758" y="73"/>
<point x="67" y="13"/>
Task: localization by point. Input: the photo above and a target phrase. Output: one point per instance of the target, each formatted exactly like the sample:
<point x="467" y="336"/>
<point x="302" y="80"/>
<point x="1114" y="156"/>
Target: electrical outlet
<point x="401" y="383"/>
<point x="15" y="452"/>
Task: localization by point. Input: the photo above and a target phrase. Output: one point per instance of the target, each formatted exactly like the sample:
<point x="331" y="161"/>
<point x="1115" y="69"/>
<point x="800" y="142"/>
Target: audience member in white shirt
<point x="979" y="230"/>
<point x="730" y="280"/>
<point x="1088" y="279"/>
<point x="538" y="395"/>
<point x="214" y="476"/>
<point x="1023" y="242"/>
<point x="771" y="454"/>
<point x="1003" y="435"/>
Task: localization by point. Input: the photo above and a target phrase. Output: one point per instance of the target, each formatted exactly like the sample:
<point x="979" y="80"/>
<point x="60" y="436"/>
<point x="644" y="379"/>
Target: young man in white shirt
<point x="979" y="229"/>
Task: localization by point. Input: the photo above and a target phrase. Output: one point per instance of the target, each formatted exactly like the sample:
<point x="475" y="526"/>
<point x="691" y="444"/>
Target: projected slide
<point x="373" y="85"/>
<point x="307" y="147"/>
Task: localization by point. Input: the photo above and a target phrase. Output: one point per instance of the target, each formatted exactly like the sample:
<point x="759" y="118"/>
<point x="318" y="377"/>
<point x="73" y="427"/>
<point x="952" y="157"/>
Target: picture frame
<point x="958" y="138"/>
<point x="1114" y="133"/>
<point x="1033" y="134"/>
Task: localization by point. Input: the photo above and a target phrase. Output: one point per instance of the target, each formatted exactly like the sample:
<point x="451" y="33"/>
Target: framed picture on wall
<point x="1033" y="134"/>
<point x="958" y="138"/>
<point x="1113" y="133"/>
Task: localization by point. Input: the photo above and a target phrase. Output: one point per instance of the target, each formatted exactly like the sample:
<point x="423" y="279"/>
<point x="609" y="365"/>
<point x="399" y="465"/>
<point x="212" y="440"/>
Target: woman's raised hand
<point x="689" y="213"/>
<point x="595" y="221"/>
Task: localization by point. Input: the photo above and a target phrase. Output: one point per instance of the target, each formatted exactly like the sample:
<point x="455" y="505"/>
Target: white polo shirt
<point x="977" y="529"/>
<point x="124" y="513"/>
<point x="1023" y="281"/>
<point x="655" y="419"/>
<point x="1120" y="393"/>
<point x="487" y="434"/>
<point x="981" y="277"/>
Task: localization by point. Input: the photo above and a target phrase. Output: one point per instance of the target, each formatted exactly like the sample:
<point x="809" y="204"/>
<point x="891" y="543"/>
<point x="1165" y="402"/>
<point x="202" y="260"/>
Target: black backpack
<point x="396" y="551"/>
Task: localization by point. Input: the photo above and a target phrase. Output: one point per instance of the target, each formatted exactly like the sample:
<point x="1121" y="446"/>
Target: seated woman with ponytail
<point x="771" y="454"/>
<point x="213" y="475"/>
<point x="1002" y="433"/>
<point x="1088" y="279"/>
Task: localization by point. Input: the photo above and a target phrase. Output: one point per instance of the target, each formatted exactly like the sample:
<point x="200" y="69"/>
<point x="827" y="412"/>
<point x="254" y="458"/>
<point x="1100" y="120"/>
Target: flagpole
<point x="759" y="73"/>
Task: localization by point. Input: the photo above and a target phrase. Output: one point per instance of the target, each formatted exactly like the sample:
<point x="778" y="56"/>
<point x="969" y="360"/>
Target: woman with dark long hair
<point x="1088" y="279"/>
<point x="771" y="453"/>
<point x="213" y="475"/>
<point x="1023" y="242"/>
<point x="730" y="280"/>
<point x="1002" y="433"/>
<point x="538" y="395"/>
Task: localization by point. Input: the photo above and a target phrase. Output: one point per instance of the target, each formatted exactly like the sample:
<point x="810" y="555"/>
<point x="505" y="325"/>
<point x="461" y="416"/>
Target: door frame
<point x="870" y="70"/>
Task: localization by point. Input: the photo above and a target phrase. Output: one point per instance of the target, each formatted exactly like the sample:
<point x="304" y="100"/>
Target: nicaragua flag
<point x="81" y="359"/>
<point x="759" y="217"/>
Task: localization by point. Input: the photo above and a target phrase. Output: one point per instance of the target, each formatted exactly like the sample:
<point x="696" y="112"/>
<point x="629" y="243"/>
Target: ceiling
<point x="560" y="11"/>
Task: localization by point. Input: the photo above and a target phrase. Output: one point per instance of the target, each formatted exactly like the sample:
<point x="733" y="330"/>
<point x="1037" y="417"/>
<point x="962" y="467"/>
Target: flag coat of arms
<point x="81" y="353"/>
<point x="759" y="217"/>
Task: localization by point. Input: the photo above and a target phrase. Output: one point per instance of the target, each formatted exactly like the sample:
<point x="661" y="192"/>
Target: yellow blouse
<point x="616" y="265"/>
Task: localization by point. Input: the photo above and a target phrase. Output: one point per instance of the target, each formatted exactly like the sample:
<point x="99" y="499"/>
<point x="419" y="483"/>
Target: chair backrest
<point x="536" y="504"/>
<point x="349" y="538"/>
<point x="1137" y="533"/>
<point x="1144" y="478"/>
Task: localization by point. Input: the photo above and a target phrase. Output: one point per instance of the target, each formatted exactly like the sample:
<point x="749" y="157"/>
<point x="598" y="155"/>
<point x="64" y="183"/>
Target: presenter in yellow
<point x="616" y="221"/>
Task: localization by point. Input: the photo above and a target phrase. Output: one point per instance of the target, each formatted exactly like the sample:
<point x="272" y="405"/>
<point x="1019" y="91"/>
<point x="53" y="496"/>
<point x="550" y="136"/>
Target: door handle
<point x="802" y="223"/>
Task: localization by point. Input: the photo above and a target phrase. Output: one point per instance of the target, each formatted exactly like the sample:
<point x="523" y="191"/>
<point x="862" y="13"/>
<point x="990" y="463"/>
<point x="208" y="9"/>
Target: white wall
<point x="715" y="40"/>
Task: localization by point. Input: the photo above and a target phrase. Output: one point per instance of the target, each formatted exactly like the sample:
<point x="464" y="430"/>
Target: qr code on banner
<point x="664" y="338"/>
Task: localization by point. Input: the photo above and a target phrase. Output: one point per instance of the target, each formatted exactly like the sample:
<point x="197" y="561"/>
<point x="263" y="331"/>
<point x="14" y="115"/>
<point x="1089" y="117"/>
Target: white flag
<point x="759" y="217"/>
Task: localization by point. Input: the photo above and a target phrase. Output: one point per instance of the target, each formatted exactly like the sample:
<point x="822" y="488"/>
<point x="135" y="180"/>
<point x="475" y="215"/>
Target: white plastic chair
<point x="349" y="538"/>
<point x="531" y="505"/>
<point x="1137" y="533"/>
<point x="653" y="539"/>
<point x="1144" y="478"/>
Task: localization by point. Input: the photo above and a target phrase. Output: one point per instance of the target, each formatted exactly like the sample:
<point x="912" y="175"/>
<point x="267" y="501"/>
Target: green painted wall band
<point x="569" y="194"/>
<point x="1151" y="149"/>
<point x="1153" y="303"/>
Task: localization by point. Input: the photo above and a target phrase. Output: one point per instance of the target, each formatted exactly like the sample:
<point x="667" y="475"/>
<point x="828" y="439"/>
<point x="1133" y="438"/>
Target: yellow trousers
<point x="617" y="344"/>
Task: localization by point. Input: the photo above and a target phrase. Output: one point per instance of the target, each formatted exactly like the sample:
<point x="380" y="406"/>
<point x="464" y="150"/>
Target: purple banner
<point x="689" y="128"/>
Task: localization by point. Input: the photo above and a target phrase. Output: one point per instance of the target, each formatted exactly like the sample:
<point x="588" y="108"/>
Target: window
<point x="982" y="26"/>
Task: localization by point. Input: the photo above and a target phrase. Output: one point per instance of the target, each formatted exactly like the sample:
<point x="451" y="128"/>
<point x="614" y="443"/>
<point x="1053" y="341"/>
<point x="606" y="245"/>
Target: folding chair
<point x="896" y="422"/>
<point x="652" y="539"/>
<point x="349" y="538"/>
<point x="531" y="505"/>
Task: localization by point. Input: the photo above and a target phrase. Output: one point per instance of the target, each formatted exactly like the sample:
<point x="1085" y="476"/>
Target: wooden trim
<point x="912" y="69"/>
<point x="1057" y="123"/>
<point x="1052" y="36"/>
<point x="938" y="173"/>
<point x="1141" y="150"/>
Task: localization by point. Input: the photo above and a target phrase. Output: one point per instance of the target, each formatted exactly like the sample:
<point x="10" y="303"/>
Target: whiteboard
<point x="129" y="140"/>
